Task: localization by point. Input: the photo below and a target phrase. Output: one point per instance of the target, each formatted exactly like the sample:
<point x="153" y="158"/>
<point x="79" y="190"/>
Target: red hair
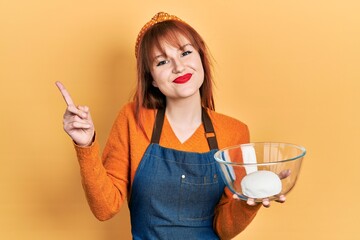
<point x="148" y="96"/>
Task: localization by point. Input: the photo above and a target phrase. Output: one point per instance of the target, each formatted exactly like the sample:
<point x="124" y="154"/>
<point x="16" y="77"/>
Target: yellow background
<point x="289" y="69"/>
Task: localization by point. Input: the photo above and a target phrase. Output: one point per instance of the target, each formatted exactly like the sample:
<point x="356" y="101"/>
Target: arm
<point x="104" y="181"/>
<point x="232" y="216"/>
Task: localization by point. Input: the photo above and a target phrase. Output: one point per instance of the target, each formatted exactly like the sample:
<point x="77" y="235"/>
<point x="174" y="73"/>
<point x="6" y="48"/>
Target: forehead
<point x="162" y="44"/>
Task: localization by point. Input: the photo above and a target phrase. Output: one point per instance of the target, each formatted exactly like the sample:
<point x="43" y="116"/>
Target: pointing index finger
<point x="64" y="93"/>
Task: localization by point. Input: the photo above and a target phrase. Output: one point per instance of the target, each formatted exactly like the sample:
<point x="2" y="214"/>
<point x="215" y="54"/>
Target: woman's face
<point x="177" y="71"/>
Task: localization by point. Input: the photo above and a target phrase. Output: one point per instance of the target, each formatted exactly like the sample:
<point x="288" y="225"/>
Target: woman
<point x="159" y="155"/>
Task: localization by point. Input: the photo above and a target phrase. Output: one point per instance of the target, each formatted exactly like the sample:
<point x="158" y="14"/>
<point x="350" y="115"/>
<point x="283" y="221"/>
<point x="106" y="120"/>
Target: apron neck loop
<point x="209" y="129"/>
<point x="159" y="122"/>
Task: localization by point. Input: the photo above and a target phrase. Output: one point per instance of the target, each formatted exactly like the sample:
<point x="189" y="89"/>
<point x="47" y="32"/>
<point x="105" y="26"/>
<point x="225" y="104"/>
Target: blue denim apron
<point x="174" y="193"/>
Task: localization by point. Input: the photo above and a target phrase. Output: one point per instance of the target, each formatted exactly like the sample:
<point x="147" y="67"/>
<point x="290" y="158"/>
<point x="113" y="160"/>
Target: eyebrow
<point x="180" y="48"/>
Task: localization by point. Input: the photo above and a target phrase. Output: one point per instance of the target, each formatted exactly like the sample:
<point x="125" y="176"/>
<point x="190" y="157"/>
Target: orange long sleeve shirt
<point x="107" y="179"/>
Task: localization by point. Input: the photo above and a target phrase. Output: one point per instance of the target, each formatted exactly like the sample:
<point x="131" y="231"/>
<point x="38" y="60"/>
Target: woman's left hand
<point x="266" y="201"/>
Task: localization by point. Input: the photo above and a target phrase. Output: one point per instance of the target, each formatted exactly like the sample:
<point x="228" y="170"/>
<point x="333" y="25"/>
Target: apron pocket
<point x="198" y="197"/>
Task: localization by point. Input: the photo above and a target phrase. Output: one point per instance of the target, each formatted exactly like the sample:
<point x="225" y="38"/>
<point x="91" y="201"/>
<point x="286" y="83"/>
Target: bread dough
<point x="261" y="184"/>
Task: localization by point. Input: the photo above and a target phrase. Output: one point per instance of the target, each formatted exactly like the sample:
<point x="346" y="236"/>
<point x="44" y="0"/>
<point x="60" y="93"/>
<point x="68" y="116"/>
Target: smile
<point x="183" y="79"/>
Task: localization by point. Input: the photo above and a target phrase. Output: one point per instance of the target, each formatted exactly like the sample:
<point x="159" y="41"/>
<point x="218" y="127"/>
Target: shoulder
<point x="128" y="111"/>
<point x="225" y="121"/>
<point x="127" y="118"/>
<point x="229" y="130"/>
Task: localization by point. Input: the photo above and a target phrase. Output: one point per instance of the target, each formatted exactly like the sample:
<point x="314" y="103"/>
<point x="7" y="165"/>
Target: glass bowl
<point x="260" y="170"/>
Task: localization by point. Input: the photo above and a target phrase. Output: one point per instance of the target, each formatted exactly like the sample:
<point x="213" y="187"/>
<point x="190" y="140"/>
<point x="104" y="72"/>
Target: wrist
<point x="87" y="144"/>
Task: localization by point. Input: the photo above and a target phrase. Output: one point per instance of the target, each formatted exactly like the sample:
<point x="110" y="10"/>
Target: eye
<point x="160" y="63"/>
<point x="186" y="53"/>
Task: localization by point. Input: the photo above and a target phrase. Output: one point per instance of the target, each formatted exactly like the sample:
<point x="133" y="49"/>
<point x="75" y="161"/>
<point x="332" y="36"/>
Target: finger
<point x="79" y="119"/>
<point x="81" y="125"/>
<point x="266" y="202"/>
<point x="77" y="125"/>
<point x="281" y="199"/>
<point x="64" y="93"/>
<point x="76" y="111"/>
<point x="251" y="202"/>
<point x="236" y="197"/>
<point x="284" y="174"/>
<point x="85" y="109"/>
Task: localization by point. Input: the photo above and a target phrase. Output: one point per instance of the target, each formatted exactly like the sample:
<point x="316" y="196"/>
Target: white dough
<point x="261" y="184"/>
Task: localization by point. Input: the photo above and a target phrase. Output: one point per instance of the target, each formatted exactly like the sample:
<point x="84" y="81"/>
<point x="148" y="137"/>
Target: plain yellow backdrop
<point x="289" y="69"/>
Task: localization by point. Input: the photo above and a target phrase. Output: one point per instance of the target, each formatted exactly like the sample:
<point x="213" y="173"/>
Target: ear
<point x="154" y="84"/>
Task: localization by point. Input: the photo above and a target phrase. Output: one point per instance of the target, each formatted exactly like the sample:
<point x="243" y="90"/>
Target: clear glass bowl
<point x="261" y="169"/>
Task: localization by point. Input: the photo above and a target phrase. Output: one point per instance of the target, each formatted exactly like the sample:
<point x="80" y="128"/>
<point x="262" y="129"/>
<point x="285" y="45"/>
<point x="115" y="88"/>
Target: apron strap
<point x="159" y="122"/>
<point x="209" y="129"/>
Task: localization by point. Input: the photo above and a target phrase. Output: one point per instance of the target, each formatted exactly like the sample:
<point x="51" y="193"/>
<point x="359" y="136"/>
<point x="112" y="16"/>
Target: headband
<point x="158" y="18"/>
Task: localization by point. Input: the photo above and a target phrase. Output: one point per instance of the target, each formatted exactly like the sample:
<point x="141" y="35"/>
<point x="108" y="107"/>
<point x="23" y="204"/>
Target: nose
<point x="178" y="66"/>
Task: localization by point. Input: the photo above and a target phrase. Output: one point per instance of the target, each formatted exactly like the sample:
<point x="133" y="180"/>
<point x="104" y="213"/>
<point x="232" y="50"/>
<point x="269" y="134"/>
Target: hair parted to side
<point x="148" y="96"/>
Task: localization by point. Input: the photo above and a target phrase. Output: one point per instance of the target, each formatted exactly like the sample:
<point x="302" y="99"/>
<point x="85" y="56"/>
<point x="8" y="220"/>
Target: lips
<point x="183" y="79"/>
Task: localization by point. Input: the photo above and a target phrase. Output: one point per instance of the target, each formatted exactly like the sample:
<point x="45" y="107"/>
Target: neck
<point x="184" y="113"/>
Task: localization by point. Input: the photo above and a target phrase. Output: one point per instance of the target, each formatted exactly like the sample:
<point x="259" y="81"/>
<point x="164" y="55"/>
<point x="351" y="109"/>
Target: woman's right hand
<point x="77" y="120"/>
